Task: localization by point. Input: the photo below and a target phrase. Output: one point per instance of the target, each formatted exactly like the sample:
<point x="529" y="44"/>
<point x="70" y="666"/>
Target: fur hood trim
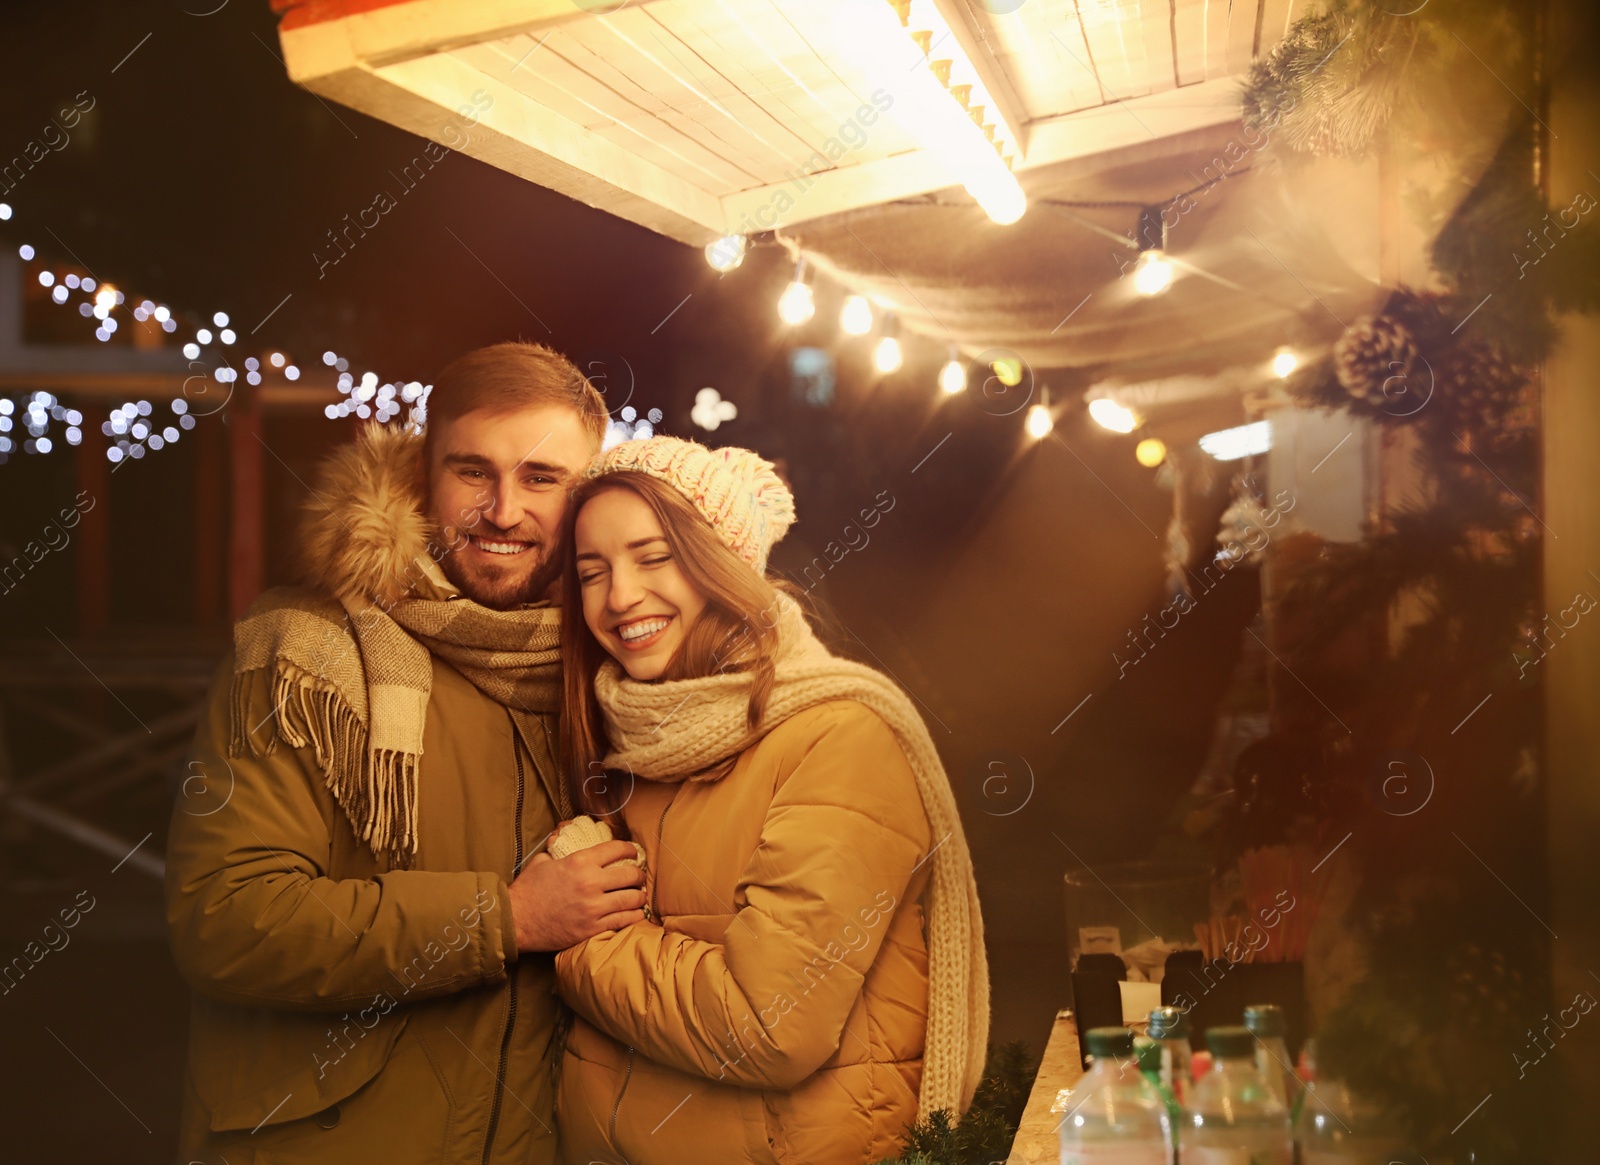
<point x="365" y="528"/>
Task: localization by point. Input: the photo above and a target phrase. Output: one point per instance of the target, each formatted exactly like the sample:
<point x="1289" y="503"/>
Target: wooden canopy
<point x="697" y="118"/>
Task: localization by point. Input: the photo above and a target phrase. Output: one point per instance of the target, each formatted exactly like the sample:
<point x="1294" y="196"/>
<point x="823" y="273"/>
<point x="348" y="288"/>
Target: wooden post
<point x="1571" y="505"/>
<point x="93" y="534"/>
<point x="210" y="523"/>
<point x="244" y="456"/>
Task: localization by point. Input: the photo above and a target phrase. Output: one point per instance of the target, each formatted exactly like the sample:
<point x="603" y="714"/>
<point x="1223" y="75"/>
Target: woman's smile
<point x="642" y="633"/>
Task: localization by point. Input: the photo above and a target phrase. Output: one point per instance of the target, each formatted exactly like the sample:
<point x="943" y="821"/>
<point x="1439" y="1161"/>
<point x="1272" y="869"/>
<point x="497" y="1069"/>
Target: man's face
<point x="497" y="488"/>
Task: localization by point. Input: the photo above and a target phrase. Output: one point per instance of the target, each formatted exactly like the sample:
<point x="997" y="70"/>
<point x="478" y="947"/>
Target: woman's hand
<point x="556" y="903"/>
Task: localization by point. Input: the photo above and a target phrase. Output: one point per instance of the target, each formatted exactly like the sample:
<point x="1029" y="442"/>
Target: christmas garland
<point x="985" y="1133"/>
<point x="1451" y="583"/>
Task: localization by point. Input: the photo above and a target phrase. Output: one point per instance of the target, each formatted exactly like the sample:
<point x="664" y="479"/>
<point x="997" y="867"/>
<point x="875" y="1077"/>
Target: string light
<point x="1007" y="370"/>
<point x="629" y="426"/>
<point x="131" y="433"/>
<point x="1040" y="421"/>
<point x="1108" y="414"/>
<point x="1150" y="452"/>
<point x="1152" y="274"/>
<point x="888" y="356"/>
<point x="1240" y="441"/>
<point x="1284" y="363"/>
<point x="710" y="410"/>
<point x="953" y="376"/>
<point x="727" y="252"/>
<point x="796" y="305"/>
<point x="855" y="317"/>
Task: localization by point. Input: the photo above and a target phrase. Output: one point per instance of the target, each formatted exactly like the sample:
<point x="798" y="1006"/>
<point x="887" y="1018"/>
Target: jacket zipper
<point x="627" y="1074"/>
<point x="617" y="1107"/>
<point x="511" y="1009"/>
<point x="655" y="878"/>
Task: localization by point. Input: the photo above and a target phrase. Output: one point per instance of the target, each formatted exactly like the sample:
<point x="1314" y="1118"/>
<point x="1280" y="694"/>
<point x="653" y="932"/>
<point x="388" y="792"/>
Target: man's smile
<point x="504" y="547"/>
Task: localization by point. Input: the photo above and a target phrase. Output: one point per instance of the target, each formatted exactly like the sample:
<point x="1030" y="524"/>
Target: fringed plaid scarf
<point x="351" y="680"/>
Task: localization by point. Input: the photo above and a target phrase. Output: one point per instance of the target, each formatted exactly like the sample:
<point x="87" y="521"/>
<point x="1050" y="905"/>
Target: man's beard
<point x="498" y="587"/>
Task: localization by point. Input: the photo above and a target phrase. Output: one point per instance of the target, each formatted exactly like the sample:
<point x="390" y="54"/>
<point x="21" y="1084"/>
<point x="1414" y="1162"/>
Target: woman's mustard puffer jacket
<point x="775" y="1008"/>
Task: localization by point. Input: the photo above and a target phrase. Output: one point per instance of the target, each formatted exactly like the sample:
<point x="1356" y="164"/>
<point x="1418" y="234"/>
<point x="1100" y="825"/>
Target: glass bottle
<point x="1235" y="1116"/>
<point x="1116" y="1117"/>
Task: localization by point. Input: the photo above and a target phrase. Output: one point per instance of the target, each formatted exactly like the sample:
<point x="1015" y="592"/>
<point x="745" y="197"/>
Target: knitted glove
<point x="583" y="832"/>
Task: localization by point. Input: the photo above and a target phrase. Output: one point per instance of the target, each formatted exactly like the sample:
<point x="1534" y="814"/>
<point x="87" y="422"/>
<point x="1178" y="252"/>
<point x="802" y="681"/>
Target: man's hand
<point x="558" y="903"/>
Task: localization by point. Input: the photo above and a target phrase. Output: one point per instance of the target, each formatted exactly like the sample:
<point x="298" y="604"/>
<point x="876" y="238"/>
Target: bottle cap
<point x="1265" y="1020"/>
<point x="1229" y="1043"/>
<point x="1148" y="1054"/>
<point x="1169" y="1023"/>
<point x="1109" y="1041"/>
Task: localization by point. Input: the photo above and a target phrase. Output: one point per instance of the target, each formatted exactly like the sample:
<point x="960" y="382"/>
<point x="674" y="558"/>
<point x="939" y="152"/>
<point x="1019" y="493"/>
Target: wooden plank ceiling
<point x="699" y="117"/>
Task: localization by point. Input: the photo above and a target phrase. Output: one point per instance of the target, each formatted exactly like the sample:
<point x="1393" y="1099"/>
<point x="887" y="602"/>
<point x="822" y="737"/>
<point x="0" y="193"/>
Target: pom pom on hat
<point x="737" y="491"/>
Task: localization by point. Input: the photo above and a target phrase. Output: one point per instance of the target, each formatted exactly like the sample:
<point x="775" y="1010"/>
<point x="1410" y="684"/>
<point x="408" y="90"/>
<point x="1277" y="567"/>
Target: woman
<point x="810" y="974"/>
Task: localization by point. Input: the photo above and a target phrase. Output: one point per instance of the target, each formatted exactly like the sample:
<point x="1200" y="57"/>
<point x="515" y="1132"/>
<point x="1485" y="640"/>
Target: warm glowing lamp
<point x="1150" y="452"/>
<point x="1108" y="414"/>
<point x="855" y="317"/>
<point x="727" y="252"/>
<point x="953" y="376"/>
<point x="796" y="305"/>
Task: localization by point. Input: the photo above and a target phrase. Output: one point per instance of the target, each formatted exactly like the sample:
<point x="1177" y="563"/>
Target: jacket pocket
<point x="297" y="1064"/>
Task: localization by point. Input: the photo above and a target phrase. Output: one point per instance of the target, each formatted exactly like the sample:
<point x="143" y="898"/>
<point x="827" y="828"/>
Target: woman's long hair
<point x="736" y="632"/>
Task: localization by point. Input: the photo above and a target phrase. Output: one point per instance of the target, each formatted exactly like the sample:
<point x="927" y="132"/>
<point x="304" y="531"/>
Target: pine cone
<point x="583" y="832"/>
<point x="1374" y="358"/>
<point x="1491" y="399"/>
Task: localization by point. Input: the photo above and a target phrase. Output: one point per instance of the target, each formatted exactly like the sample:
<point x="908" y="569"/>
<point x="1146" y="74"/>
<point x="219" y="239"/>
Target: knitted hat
<point x="735" y="490"/>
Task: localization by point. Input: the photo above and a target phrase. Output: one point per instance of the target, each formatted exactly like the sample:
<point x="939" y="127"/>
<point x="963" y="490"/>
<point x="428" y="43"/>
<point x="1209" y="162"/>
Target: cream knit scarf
<point x="670" y="730"/>
<point x="351" y="679"/>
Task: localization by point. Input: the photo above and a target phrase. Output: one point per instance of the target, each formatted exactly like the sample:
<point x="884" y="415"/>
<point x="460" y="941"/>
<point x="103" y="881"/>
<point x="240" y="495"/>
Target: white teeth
<point x="641" y="629"/>
<point x="500" y="547"/>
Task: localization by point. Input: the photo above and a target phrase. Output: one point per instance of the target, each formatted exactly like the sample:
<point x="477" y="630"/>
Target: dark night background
<point x="996" y="589"/>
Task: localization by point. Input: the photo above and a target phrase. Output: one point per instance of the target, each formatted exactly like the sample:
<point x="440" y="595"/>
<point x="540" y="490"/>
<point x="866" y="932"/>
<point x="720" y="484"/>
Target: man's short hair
<point x="509" y="376"/>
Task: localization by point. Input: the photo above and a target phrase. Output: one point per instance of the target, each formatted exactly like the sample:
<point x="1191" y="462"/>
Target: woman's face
<point x="636" y="601"/>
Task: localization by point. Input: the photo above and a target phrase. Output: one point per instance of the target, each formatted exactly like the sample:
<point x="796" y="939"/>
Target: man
<point x="355" y="888"/>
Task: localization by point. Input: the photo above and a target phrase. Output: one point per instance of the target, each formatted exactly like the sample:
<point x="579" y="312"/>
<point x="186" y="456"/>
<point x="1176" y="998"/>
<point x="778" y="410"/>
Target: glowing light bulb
<point x="1150" y="452"/>
<point x="1039" y="422"/>
<point x="1007" y="370"/>
<point x="887" y="356"/>
<point x="727" y="252"/>
<point x="997" y="191"/>
<point x="1240" y="441"/>
<point x="1108" y="414"/>
<point x="1153" y="273"/>
<point x="855" y="316"/>
<point x="953" y="376"/>
<point x="1284" y="363"/>
<point x="796" y="305"/>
